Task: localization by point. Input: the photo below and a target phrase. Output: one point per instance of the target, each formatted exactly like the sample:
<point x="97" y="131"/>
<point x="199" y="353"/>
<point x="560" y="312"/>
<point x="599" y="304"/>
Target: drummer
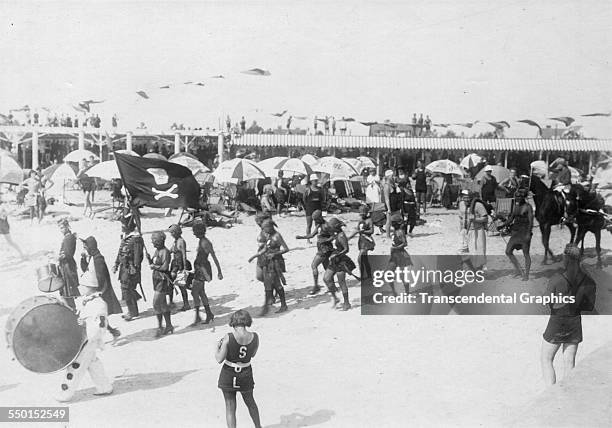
<point x="93" y="313"/>
<point x="67" y="264"/>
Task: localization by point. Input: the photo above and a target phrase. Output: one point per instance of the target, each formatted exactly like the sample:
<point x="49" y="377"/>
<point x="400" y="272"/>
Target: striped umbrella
<point x="367" y="161"/>
<point x="237" y="170"/>
<point x="154" y="156"/>
<point x="310" y="159"/>
<point x="444" y="166"/>
<point x="280" y="163"/>
<point x="337" y="169"/>
<point x="190" y="161"/>
<point x="471" y="160"/>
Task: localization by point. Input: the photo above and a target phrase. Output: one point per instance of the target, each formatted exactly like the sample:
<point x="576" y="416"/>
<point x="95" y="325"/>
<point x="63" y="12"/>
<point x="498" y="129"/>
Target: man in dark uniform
<point x="420" y="186"/>
<point x="128" y="262"/>
<point x="67" y="264"/>
<point x="93" y="261"/>
<point x="521" y="224"/>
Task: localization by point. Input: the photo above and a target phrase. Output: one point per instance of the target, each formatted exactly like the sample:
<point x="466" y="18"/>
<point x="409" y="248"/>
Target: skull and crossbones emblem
<point x="161" y="177"/>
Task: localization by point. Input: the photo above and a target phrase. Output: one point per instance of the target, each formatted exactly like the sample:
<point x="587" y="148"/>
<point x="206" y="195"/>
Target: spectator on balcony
<point x="343" y="128"/>
<point x="427" y="125"/>
<point x="114" y="121"/>
<point x="76" y="122"/>
<point x="326" y="125"/>
<point x="420" y="125"/>
<point x="242" y="125"/>
<point x="35" y="118"/>
<point x="414" y="125"/>
<point x="68" y="121"/>
<point x="333" y="125"/>
<point x="228" y="123"/>
<point x="289" y="124"/>
<point x="315" y="124"/>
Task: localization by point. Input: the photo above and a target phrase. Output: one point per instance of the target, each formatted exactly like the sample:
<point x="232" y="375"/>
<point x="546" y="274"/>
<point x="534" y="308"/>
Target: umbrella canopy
<point x="154" y="156"/>
<point x="471" y="160"/>
<point x="444" y="166"/>
<point x="105" y="170"/>
<point x="603" y="177"/>
<point x="367" y="162"/>
<point x="237" y="170"/>
<point x="539" y="167"/>
<point x="310" y="159"/>
<point x="355" y="163"/>
<point x="4" y="152"/>
<point x="59" y="174"/>
<point x="10" y="171"/>
<point x="499" y="172"/>
<point x="79" y="155"/>
<point x="280" y="163"/>
<point x="190" y="162"/>
<point x="337" y="169"/>
<point x="204" y="177"/>
<point x="127" y="152"/>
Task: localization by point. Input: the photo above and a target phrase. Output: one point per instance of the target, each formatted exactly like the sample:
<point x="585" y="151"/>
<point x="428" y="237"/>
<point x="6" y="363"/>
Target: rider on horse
<point x="562" y="182"/>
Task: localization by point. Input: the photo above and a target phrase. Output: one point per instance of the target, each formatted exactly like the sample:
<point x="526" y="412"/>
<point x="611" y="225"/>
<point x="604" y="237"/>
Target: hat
<point x="488" y="168"/>
<point x="90" y="242"/>
<point x="314" y="177"/>
<point x="388" y="173"/>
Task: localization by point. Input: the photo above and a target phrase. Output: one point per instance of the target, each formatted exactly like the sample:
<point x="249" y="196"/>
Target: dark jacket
<point x="68" y="266"/>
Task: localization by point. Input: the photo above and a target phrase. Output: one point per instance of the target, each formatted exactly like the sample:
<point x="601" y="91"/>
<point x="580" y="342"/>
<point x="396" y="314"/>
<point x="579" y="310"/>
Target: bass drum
<point x="44" y="335"/>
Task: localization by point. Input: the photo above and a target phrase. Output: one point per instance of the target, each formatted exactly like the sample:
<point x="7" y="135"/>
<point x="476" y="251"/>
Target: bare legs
<point x="230" y="408"/>
<point x="549" y="350"/>
<point x="12" y="243"/>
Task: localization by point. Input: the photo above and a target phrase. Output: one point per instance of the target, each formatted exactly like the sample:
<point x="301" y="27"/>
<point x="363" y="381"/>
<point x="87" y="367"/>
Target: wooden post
<point x="506" y="160"/>
<point x="81" y="139"/>
<point x="34" y="149"/>
<point x="547" y="159"/>
<point x="177" y="143"/>
<point x="128" y="140"/>
<point x="378" y="162"/>
<point x="220" y="146"/>
<point x="590" y="161"/>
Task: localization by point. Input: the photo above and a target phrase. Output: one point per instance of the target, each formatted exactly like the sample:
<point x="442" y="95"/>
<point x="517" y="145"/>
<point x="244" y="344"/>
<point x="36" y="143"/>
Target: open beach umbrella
<point x="105" y="170"/>
<point x="539" y="167"/>
<point x="237" y="170"/>
<point x="58" y="174"/>
<point x="204" y="177"/>
<point x="444" y="166"/>
<point x="499" y="172"/>
<point x="294" y="166"/>
<point x="79" y="155"/>
<point x="355" y="163"/>
<point x="190" y="161"/>
<point x="127" y="152"/>
<point x="310" y="159"/>
<point x="10" y="171"/>
<point x="471" y="160"/>
<point x="367" y="161"/>
<point x="337" y="169"/>
<point x="154" y="156"/>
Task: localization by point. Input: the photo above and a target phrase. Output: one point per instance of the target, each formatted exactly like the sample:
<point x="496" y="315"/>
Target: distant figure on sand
<point x="565" y="323"/>
<point x="5" y="229"/>
<point x="235" y="351"/>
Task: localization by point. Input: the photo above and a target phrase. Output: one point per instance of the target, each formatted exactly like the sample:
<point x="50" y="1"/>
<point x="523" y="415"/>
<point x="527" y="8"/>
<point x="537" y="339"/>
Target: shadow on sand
<point x="136" y="382"/>
<point x="295" y="420"/>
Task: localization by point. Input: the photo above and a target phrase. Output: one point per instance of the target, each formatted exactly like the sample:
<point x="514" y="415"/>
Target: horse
<point x="550" y="210"/>
<point x="585" y="206"/>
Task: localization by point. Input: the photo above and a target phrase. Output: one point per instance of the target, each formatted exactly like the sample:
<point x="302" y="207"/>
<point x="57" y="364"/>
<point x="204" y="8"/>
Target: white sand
<point x="316" y="366"/>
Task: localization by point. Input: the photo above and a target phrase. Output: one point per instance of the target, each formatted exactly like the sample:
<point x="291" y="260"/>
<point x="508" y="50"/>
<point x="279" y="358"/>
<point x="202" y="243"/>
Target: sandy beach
<point x="316" y="366"/>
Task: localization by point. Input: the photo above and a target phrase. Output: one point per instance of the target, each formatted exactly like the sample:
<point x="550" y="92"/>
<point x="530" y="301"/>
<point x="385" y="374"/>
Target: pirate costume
<point x="67" y="265"/>
<point x="160" y="266"/>
<point x="128" y="261"/>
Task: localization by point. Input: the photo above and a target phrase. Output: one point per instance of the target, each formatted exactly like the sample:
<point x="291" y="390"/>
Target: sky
<point x="374" y="61"/>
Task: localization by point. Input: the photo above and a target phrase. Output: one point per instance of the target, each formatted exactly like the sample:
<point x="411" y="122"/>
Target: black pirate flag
<point x="157" y="183"/>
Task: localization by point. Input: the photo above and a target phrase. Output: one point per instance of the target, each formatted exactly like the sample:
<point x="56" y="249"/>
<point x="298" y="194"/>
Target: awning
<point x="471" y="144"/>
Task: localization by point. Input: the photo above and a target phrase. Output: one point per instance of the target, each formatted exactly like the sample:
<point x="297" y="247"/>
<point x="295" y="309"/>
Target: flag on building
<point x="157" y="183"/>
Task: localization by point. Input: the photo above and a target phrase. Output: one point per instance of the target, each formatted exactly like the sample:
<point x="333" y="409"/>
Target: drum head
<point x="47" y="338"/>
